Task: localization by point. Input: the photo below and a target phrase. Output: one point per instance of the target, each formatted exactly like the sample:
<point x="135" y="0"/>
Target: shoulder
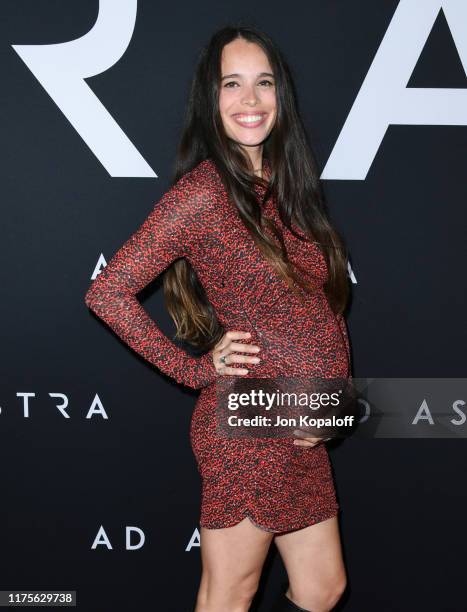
<point x="198" y="193"/>
<point x="195" y="201"/>
<point x="203" y="180"/>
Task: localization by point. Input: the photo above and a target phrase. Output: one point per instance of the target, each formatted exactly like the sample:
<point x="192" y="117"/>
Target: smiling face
<point x="247" y="98"/>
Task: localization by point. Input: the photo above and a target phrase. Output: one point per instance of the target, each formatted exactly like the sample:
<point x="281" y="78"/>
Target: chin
<point x="250" y="142"/>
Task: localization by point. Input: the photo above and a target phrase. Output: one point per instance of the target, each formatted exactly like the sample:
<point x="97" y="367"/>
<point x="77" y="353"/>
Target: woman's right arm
<point x="169" y="232"/>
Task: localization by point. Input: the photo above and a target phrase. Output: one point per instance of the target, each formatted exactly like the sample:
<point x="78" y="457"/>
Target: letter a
<point x="384" y="97"/>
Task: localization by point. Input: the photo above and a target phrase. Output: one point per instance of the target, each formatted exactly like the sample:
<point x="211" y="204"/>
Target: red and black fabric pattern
<point x="278" y="485"/>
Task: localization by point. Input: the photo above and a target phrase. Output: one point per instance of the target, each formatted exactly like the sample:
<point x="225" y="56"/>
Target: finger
<point x="244" y="348"/>
<point x="237" y="335"/>
<point x="222" y="344"/>
<point x="230" y="336"/>
<point x="300" y="433"/>
<point x="304" y="435"/>
<point x="229" y="371"/>
<point x="235" y="358"/>
<point x="303" y="443"/>
<point x="224" y="366"/>
<point x="307" y="441"/>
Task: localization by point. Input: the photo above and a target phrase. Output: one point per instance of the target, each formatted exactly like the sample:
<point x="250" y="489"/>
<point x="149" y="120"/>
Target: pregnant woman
<point x="256" y="278"/>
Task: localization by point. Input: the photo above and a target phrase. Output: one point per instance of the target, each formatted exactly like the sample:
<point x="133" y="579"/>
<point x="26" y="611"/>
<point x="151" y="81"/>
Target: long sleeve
<point x="172" y="228"/>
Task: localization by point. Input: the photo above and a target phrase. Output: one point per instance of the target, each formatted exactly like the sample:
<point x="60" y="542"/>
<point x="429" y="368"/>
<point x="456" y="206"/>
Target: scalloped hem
<point x="294" y="527"/>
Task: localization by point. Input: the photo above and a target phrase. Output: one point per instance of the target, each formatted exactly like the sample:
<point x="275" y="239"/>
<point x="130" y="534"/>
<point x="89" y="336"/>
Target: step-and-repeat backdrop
<point x="100" y="489"/>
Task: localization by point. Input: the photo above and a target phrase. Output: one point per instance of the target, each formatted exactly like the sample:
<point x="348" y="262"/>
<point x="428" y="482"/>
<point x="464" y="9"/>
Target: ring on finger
<point x="222" y="359"/>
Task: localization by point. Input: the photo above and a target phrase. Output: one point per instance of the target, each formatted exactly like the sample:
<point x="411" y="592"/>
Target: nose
<point x="250" y="96"/>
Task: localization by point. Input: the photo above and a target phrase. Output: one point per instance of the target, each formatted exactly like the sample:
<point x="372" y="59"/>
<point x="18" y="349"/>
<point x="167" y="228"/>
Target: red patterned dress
<point x="278" y="485"/>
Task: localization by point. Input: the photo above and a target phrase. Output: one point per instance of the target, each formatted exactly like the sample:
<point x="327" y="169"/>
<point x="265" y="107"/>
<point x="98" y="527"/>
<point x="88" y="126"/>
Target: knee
<point x="335" y="590"/>
<point x="319" y="596"/>
<point x="235" y="594"/>
<point x="246" y="589"/>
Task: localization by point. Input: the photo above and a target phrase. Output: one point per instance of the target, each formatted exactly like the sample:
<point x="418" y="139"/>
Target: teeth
<point x="250" y="119"/>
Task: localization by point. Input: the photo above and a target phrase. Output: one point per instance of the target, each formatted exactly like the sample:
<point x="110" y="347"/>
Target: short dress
<point x="279" y="486"/>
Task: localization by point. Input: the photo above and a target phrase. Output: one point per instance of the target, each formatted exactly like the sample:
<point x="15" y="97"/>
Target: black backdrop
<point x="117" y="458"/>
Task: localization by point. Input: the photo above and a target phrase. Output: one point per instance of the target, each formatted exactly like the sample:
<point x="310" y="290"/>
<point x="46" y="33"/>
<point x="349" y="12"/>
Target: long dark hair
<point x="294" y="183"/>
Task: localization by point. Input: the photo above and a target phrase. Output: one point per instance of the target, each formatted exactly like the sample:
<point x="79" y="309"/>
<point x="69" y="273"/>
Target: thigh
<point x="232" y="554"/>
<point x="314" y="551"/>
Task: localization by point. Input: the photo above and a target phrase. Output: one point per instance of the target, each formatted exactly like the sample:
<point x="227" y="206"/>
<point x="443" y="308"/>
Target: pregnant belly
<point x="300" y="340"/>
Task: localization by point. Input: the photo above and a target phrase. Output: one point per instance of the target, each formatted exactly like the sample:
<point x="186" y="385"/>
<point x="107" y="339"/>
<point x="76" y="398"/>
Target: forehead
<point x="244" y="57"/>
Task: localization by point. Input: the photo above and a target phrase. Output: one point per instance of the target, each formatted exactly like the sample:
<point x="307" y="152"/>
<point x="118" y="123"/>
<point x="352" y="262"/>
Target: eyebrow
<point x="235" y="74"/>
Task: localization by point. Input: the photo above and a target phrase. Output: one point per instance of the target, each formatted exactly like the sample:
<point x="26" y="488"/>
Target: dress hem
<point x="322" y="517"/>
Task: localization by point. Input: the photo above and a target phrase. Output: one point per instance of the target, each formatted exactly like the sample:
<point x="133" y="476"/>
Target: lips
<point x="249" y="120"/>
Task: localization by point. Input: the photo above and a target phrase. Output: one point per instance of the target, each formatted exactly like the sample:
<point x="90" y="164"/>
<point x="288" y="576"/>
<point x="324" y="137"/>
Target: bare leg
<point x="232" y="560"/>
<point x="313" y="559"/>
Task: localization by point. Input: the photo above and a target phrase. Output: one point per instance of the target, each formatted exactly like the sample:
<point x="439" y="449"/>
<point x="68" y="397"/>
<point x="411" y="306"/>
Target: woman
<point x="257" y="280"/>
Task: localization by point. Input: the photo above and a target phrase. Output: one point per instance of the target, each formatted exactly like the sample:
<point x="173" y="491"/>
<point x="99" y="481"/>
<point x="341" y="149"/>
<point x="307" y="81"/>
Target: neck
<point x="256" y="158"/>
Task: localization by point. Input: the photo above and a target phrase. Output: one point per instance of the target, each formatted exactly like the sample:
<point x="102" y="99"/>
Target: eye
<point x="267" y="82"/>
